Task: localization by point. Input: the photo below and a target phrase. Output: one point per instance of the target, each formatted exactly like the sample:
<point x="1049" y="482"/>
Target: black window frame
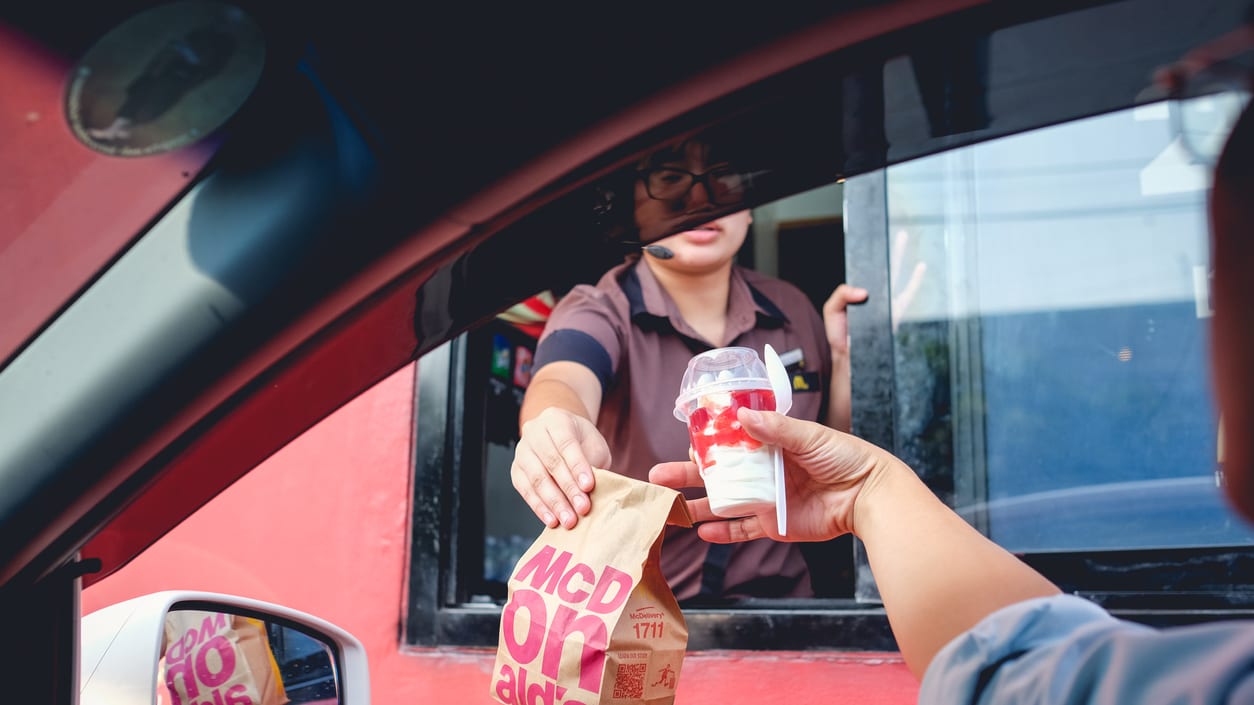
<point x="447" y="493"/>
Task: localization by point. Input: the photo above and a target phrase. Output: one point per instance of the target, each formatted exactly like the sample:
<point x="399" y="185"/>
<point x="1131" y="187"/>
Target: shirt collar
<point x="651" y="307"/>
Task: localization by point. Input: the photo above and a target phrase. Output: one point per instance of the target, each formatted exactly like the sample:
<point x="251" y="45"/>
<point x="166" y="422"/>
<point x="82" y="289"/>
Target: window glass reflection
<point x="1050" y="316"/>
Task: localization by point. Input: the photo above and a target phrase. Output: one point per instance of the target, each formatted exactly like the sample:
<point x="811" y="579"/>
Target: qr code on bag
<point x="629" y="681"/>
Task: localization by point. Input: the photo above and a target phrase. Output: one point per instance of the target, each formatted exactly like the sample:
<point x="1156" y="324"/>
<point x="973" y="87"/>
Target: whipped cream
<point x="739" y="480"/>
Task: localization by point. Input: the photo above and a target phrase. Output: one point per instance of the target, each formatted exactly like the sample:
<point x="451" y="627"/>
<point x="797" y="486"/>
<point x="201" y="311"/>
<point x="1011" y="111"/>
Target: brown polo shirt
<point x="629" y="332"/>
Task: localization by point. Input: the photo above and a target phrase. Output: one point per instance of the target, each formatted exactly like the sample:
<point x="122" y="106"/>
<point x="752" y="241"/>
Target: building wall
<point x="322" y="527"/>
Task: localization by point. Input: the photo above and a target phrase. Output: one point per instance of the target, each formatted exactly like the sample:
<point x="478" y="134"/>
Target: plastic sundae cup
<point x="739" y="471"/>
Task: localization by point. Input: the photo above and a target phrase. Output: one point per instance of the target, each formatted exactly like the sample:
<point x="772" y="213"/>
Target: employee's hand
<point x="553" y="464"/>
<point x="836" y="320"/>
<point x="825" y="470"/>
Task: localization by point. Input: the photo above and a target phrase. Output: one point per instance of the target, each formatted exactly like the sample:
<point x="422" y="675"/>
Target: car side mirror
<point x="195" y="648"/>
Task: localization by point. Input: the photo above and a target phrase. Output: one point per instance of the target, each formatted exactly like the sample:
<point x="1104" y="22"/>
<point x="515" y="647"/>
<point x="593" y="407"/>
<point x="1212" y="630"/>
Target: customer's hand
<point x="825" y="472"/>
<point x="553" y="463"/>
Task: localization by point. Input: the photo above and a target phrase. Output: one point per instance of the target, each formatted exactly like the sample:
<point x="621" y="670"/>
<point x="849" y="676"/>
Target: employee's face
<point x="680" y="187"/>
<point x="709" y="246"/>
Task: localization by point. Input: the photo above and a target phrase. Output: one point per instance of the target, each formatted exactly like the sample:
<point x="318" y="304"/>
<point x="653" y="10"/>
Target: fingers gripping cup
<point x="738" y="470"/>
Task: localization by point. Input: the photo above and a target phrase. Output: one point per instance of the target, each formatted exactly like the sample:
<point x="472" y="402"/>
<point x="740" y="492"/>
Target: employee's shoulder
<point x="605" y="294"/>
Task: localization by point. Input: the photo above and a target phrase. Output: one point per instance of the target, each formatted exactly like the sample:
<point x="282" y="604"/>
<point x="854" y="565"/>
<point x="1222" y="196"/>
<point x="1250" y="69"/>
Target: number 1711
<point x="648" y="630"/>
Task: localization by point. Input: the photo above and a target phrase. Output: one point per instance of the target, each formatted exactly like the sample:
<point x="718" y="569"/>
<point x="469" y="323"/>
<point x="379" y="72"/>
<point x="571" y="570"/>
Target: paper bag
<point x="590" y="618"/>
<point x="212" y="658"/>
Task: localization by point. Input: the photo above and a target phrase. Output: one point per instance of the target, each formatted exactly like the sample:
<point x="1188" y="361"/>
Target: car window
<point x="1047" y="331"/>
<point x="1034" y="344"/>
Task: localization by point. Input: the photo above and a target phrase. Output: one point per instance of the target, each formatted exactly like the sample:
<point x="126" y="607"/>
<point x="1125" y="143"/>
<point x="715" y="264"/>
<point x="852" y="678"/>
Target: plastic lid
<point x="719" y="370"/>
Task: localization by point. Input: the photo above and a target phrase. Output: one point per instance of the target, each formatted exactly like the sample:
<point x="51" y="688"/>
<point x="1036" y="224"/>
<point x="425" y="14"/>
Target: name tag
<point x="806" y="381"/>
<point x="795" y="362"/>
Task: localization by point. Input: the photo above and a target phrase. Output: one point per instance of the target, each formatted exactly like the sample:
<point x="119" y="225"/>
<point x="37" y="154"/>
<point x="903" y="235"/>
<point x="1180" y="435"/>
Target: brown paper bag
<point x="212" y="658"/>
<point x="590" y="618"/>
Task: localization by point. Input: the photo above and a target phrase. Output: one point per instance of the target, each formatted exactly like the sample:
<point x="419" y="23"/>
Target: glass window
<point x="1051" y="308"/>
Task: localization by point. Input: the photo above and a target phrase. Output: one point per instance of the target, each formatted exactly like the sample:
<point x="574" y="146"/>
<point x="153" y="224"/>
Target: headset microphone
<point x="659" y="251"/>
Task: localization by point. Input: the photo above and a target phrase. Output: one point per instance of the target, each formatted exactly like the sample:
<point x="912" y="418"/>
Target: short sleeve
<point x="585" y="327"/>
<point x="1065" y="649"/>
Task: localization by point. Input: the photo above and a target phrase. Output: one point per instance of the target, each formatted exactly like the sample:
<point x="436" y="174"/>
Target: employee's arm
<point x="559" y="443"/>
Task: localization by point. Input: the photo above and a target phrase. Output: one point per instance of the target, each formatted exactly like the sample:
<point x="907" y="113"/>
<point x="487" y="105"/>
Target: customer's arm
<point x="937" y="575"/>
<point x="559" y="443"/>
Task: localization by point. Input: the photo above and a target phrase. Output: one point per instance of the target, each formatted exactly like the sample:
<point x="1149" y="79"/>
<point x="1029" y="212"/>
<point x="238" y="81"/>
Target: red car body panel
<point x="66" y="211"/>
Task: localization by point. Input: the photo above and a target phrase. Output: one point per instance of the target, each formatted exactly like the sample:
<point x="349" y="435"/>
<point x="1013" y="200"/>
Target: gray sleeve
<point x="1067" y="650"/>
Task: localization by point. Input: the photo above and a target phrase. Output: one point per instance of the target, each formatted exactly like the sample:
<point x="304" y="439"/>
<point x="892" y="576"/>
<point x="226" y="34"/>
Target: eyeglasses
<point x="723" y="185"/>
